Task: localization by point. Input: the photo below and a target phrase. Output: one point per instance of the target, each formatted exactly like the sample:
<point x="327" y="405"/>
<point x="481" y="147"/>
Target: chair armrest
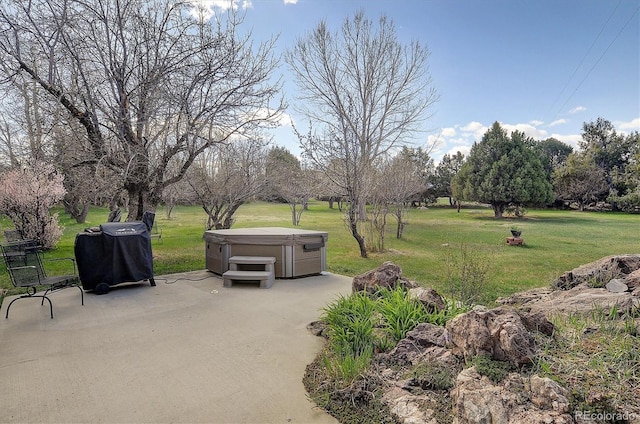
<point x="21" y="267"/>
<point x="16" y="268"/>
<point x="63" y="259"/>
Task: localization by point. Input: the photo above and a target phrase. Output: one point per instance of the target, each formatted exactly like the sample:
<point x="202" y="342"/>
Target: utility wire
<point x="575" y="71"/>
<point x="600" y="58"/>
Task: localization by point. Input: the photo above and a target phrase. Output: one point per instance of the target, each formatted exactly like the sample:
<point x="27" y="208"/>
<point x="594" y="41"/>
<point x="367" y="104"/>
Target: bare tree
<point x="290" y="181"/>
<point x="152" y="86"/>
<point x="402" y="180"/>
<point x="366" y="93"/>
<point x="227" y="177"/>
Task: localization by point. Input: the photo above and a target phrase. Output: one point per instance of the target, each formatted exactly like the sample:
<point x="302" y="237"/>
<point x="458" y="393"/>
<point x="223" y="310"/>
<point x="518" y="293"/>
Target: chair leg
<point x="81" y="294"/>
<point x="49" y="290"/>
<point x="29" y="297"/>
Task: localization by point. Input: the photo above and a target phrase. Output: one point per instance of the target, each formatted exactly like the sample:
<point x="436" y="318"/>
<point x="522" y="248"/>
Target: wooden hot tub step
<point x="264" y="277"/>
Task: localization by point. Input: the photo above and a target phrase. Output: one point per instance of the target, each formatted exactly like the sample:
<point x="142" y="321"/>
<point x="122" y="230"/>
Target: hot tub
<point x="297" y="252"/>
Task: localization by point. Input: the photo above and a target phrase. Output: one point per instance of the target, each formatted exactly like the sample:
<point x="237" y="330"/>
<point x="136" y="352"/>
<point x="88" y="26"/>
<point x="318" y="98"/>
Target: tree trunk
<point x="400" y="229"/>
<point x="497" y="210"/>
<point x="72" y="207"/>
<point x="359" y="207"/>
<point x="353" y="226"/>
<point x="82" y="217"/>
<point x="140" y="201"/>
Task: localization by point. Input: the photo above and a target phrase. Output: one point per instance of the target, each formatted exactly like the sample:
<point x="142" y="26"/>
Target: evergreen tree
<point x="503" y="170"/>
<point x="441" y="179"/>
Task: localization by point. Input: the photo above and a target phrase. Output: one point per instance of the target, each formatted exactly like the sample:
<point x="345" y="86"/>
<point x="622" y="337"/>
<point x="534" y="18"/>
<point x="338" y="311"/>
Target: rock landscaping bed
<point x="569" y="353"/>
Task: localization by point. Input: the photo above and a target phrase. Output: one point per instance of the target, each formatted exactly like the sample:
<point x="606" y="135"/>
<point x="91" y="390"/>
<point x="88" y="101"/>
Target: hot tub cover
<point x="267" y="236"/>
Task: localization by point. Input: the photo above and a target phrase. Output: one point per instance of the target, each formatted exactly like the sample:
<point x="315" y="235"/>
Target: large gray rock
<point x="430" y="299"/>
<point x="547" y="394"/>
<point x="599" y="272"/>
<point x="633" y="280"/>
<point x="499" y="333"/>
<point x="536" y="321"/>
<point x="578" y="299"/>
<point x="617" y="286"/>
<point x="388" y="275"/>
<point x="515" y="400"/>
<point x="477" y="401"/>
<point x="425" y="343"/>
<point x="408" y="408"/>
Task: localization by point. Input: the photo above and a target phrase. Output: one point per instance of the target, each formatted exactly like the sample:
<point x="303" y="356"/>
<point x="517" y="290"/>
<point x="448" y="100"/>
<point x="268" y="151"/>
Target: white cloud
<point x="290" y="1"/>
<point x="205" y="9"/>
<point x="448" y="132"/>
<point x="285" y="120"/>
<point x="434" y="140"/>
<point x="462" y="149"/>
<point x="629" y="126"/>
<point x="577" y="109"/>
<point x="528" y="129"/>
<point x="536" y="123"/>
<point x="474" y="130"/>
<point x="558" y="122"/>
<point x="472" y="127"/>
<point x="570" y="139"/>
<point x="280" y="119"/>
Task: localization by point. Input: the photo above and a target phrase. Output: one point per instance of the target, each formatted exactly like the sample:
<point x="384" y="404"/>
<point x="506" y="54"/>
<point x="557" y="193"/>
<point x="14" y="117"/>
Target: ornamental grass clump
<point x="361" y="324"/>
<point x="351" y="336"/>
<point x="401" y="312"/>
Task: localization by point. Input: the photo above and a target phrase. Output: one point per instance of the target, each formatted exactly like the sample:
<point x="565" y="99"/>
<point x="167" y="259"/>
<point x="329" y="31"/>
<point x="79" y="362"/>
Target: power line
<point x="575" y="71"/>
<point x="600" y="58"/>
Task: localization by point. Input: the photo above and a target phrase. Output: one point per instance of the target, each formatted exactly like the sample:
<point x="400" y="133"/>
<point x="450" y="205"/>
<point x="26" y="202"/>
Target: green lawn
<point x="555" y="241"/>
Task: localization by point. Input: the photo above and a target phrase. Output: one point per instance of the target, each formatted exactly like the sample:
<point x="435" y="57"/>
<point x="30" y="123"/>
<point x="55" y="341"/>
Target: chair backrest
<point x="115" y="215"/>
<point x="149" y="218"/>
<point x="23" y="263"/>
<point x="12" y="235"/>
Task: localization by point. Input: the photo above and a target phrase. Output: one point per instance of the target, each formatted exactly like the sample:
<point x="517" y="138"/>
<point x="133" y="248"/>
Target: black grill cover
<point x="119" y="252"/>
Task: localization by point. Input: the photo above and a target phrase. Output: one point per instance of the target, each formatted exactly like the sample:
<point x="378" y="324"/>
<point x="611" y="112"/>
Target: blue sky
<point x="541" y="66"/>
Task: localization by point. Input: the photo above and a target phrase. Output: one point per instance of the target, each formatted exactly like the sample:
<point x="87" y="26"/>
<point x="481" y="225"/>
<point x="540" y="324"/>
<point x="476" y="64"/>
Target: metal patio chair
<point x="25" y="267"/>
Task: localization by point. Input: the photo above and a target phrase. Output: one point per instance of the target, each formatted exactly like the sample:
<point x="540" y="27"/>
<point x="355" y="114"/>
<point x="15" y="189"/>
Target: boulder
<point x="430" y="298"/>
<point x="579" y="299"/>
<point x="388" y="275"/>
<point x="536" y="321"/>
<point x="617" y="286"/>
<point x="408" y="408"/>
<point x="498" y="333"/>
<point x="633" y="280"/>
<point x="477" y="400"/>
<point x="600" y="271"/>
<point x="425" y="343"/>
<point x="547" y="394"/>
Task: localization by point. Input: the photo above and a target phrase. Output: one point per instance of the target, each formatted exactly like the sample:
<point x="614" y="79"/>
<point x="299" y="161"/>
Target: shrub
<point x="432" y="376"/>
<point x="495" y="370"/>
<point x="467" y="271"/>
<point x="26" y="197"/>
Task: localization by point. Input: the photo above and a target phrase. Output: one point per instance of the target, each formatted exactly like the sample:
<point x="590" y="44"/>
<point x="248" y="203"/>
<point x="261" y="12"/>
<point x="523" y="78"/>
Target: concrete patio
<point x="188" y="350"/>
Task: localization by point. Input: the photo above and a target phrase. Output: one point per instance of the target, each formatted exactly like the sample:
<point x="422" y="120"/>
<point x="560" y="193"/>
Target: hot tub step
<point x="264" y="277"/>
